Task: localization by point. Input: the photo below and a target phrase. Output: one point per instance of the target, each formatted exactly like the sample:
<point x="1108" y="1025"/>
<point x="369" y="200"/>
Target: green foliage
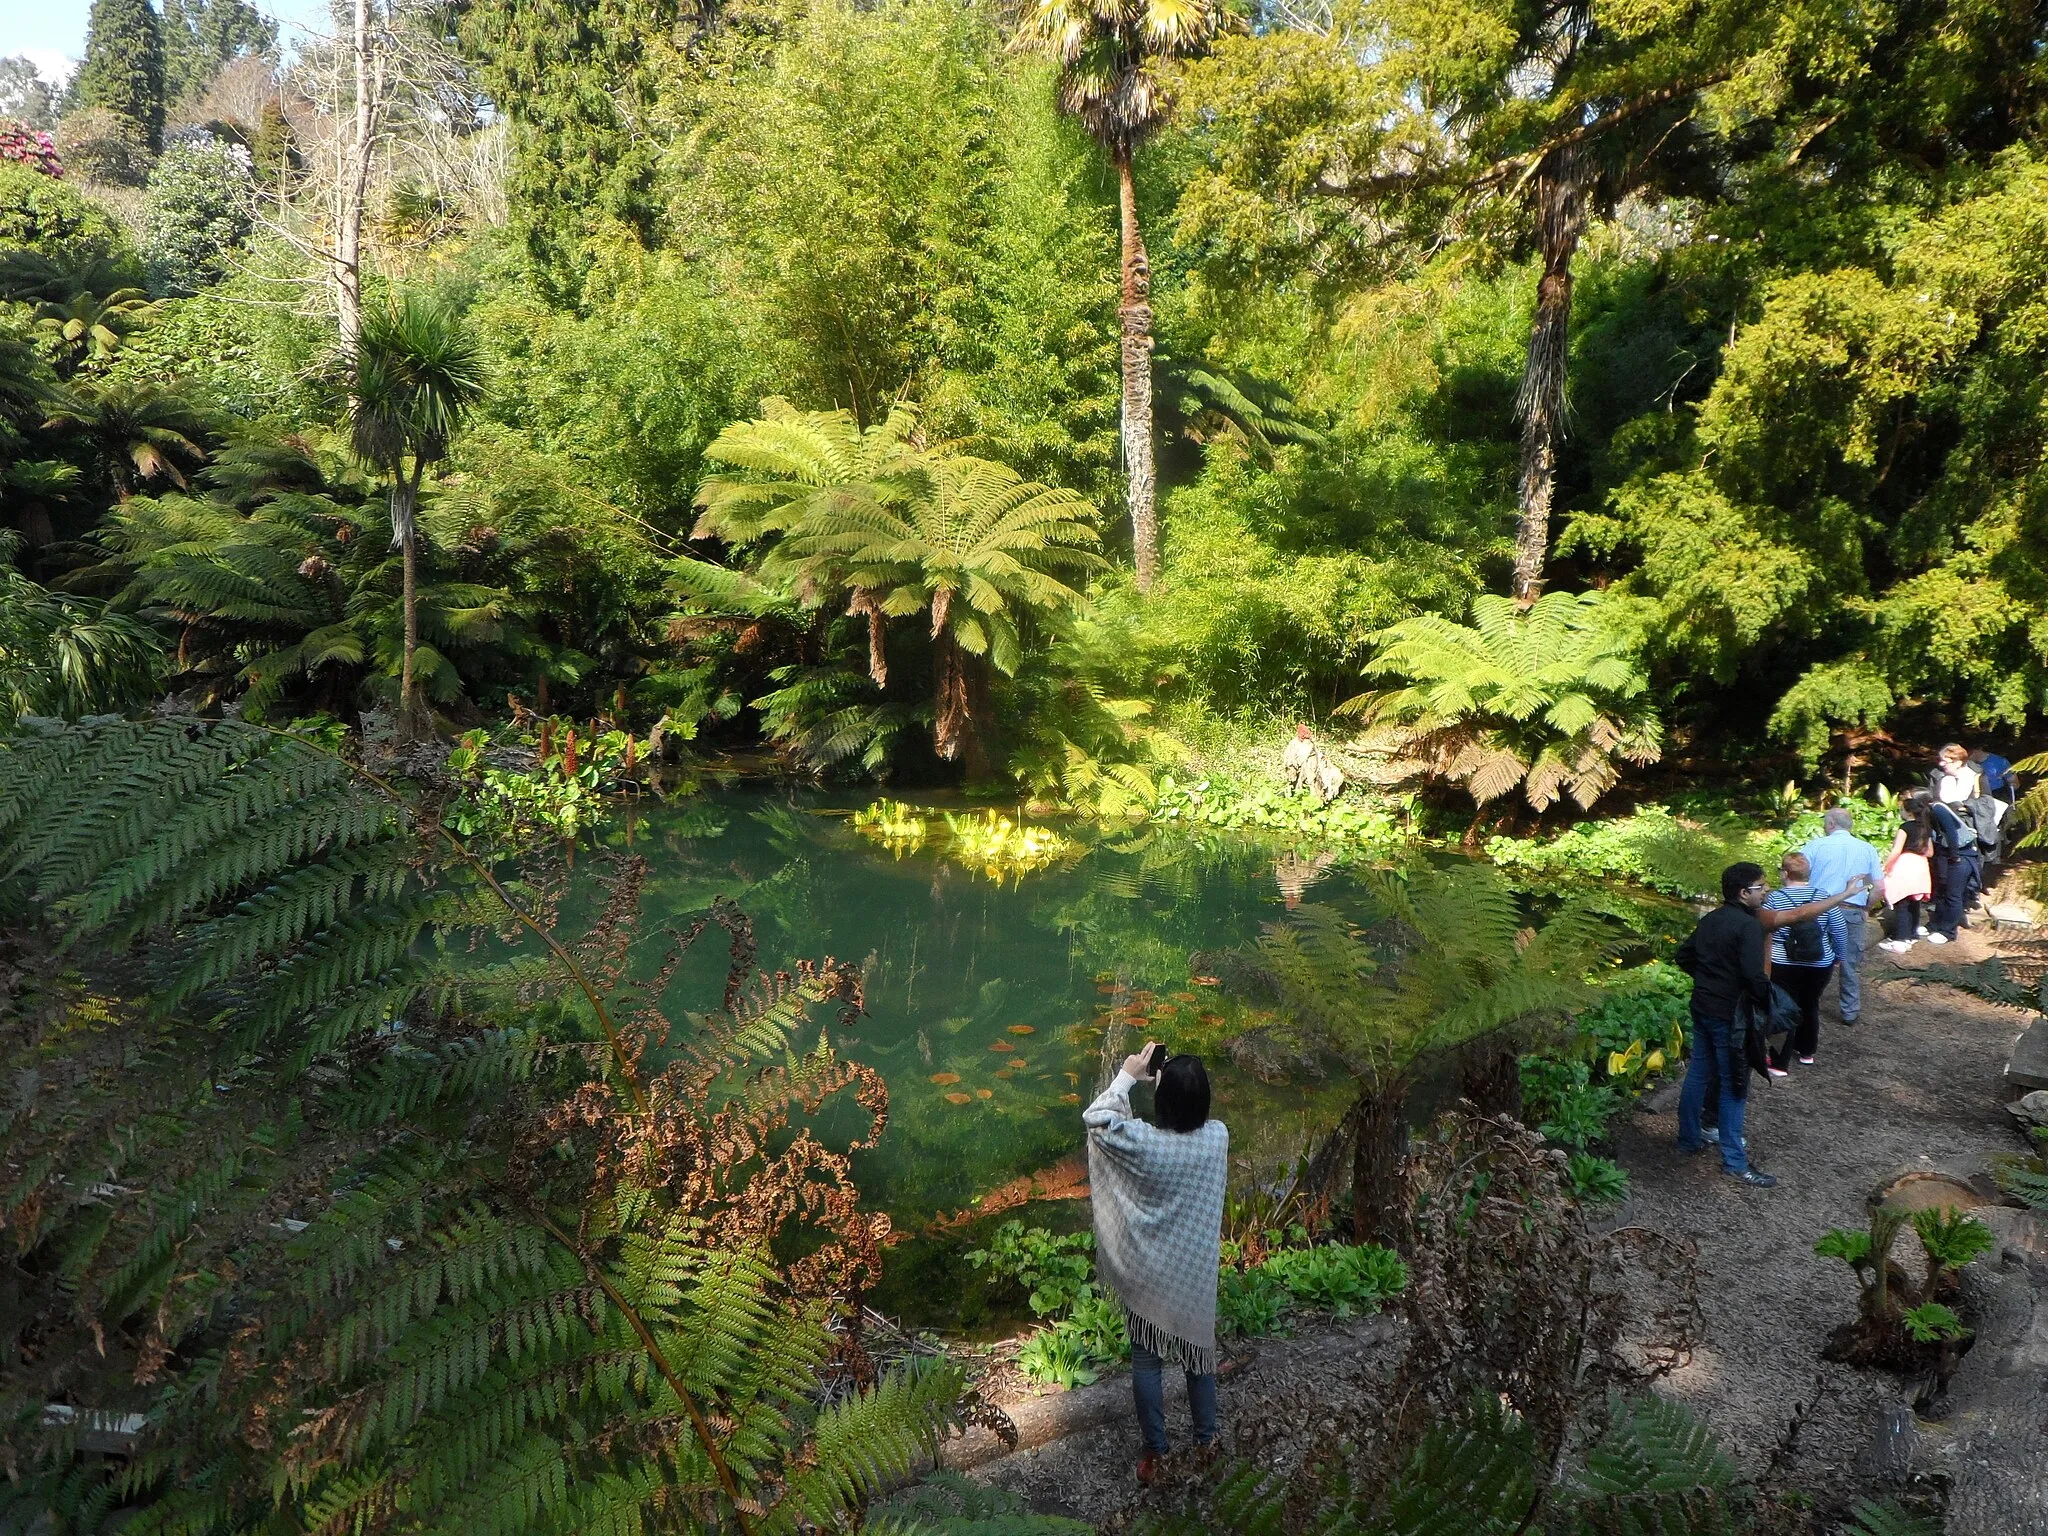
<point x="42" y="213"/>
<point x="1931" y="1322"/>
<point x="1250" y="1302"/>
<point x="1057" y="1357"/>
<point x="949" y="1504"/>
<point x="1564" y="1102"/>
<point x="1950" y="1238"/>
<point x="1649" y="1468"/>
<point x="1887" y="1519"/>
<point x="1055" y="1272"/>
<point x="1852" y="1248"/>
<point x="1544" y="701"/>
<point x="964" y="545"/>
<point x="479" y="1306"/>
<point x="198" y="211"/>
<point x="64" y="655"/>
<point x="1597" y="1180"/>
<point x="1650" y="846"/>
<point x="1350" y="821"/>
<point x="123" y="68"/>
<point x="202" y="35"/>
<point x="1339" y="1277"/>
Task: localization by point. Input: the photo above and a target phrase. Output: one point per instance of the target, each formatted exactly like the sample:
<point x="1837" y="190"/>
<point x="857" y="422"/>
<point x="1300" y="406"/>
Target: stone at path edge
<point x="2028" y="1067"/>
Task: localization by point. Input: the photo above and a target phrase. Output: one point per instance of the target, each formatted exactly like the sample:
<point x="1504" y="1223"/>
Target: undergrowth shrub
<point x="356" y="1197"/>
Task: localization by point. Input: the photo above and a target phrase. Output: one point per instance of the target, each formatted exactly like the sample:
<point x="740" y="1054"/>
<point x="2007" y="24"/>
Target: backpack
<point x="1803" y="942"/>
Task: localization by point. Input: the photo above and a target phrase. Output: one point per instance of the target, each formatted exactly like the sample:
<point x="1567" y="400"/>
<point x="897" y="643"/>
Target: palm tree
<point x="416" y="370"/>
<point x="1109" y="52"/>
<point x="1542" y="698"/>
<point x="1447" y="958"/>
<point x="963" y="543"/>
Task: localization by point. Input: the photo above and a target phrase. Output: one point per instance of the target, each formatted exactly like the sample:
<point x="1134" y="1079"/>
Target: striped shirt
<point x="1784" y="899"/>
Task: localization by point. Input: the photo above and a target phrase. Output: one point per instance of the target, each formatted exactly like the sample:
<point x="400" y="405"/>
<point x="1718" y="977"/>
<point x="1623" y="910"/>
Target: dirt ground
<point x="1916" y="1084"/>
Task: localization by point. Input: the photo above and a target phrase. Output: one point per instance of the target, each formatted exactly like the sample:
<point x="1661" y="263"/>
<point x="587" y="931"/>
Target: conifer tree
<point x="123" y="70"/>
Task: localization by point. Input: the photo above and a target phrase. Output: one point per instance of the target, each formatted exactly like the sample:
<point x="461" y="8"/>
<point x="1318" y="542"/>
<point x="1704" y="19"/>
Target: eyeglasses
<point x="1759" y="886"/>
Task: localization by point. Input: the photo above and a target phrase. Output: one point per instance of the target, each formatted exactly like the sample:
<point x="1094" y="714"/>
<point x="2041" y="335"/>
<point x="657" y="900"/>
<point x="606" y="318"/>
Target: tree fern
<point x="1887" y="1519"/>
<point x="374" y="1236"/>
<point x="1548" y="699"/>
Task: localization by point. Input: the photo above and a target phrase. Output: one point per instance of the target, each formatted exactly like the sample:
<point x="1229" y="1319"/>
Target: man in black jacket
<point x="1725" y="958"/>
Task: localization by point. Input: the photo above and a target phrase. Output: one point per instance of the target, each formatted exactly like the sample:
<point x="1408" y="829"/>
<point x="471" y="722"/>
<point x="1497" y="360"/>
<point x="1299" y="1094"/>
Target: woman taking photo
<point x="1157" y="1191"/>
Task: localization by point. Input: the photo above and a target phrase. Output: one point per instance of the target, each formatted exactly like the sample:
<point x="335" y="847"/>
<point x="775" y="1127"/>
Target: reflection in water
<point x="994" y="1005"/>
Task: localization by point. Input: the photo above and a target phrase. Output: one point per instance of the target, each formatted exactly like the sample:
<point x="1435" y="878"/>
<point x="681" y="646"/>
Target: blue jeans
<point x="1850" y="1003"/>
<point x="1150" y="1393"/>
<point x="1716" y="1067"/>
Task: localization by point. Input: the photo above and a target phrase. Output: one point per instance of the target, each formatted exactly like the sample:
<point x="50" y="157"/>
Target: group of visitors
<point x="1813" y="927"/>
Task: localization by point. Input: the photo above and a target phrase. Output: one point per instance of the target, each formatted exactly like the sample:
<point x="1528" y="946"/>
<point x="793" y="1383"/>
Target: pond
<point x="996" y="999"/>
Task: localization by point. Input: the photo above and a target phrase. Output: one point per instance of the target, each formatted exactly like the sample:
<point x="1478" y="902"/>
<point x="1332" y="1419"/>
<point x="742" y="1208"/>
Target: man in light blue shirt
<point x="1835" y="856"/>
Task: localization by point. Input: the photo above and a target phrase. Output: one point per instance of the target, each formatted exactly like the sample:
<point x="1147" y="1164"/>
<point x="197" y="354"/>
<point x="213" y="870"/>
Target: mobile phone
<point x="1155" y="1061"/>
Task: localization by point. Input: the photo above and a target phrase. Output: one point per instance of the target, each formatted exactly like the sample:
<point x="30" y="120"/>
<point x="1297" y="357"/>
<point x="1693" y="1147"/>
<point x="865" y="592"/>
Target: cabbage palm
<point x="416" y="370"/>
<point x="1109" y="53"/>
<point x="1545" y="699"/>
<point x="965" y="544"/>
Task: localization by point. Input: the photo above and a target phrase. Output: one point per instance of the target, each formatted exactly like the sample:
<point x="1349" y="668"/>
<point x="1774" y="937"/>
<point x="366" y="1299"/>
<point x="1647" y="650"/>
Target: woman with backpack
<point x="1802" y="956"/>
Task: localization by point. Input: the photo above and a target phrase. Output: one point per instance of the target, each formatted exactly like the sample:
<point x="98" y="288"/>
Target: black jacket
<point x="1725" y="958"/>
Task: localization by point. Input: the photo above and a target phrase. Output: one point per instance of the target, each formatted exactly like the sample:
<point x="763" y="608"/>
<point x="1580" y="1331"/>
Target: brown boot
<point x="1148" y="1468"/>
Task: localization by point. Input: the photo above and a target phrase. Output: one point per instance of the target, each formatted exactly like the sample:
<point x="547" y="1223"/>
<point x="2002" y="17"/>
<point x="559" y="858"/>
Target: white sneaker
<point x="1920" y="932"/>
<point x="1896" y="946"/>
<point x="1937" y="938"/>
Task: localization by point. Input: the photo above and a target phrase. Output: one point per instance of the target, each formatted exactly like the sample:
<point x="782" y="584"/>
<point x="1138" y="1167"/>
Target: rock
<point x="2032" y="1109"/>
<point x="2028" y="1067"/>
<point x="2010" y="914"/>
<point x="1887" y="1458"/>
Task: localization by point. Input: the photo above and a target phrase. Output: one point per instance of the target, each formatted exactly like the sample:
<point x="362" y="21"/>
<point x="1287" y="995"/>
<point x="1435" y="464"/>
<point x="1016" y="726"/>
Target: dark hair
<point x="1737" y="878"/>
<point x="1918" y="838"/>
<point x="1181" y="1101"/>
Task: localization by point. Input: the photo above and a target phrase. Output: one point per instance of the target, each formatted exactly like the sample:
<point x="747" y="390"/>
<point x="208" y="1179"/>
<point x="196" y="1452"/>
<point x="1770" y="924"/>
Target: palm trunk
<point x="1134" y="317"/>
<point x="1560" y="221"/>
<point x="960" y="697"/>
<point x="404" y="528"/>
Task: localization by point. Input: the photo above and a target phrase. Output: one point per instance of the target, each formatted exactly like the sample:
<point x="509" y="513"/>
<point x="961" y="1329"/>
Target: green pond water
<point x="993" y="1004"/>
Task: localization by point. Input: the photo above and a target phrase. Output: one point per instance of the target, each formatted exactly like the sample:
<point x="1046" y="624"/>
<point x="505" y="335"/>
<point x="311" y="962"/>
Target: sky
<point x="52" y="32"/>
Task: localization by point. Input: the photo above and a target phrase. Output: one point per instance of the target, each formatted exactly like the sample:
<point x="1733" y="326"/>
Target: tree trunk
<point x="352" y="181"/>
<point x="1560" y="199"/>
<point x="1378" y="1199"/>
<point x="960" y="697"/>
<point x="405" y="534"/>
<point x="1134" y="318"/>
<point x="1490" y="1076"/>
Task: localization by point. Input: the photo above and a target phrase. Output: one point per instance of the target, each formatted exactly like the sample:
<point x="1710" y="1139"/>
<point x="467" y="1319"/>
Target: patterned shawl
<point x="1158" y="1198"/>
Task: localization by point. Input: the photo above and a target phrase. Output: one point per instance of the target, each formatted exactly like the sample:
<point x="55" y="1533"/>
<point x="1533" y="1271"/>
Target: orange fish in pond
<point x="1182" y="997"/>
<point x="1212" y="1018"/>
<point x="1109" y="986"/>
<point x="1001" y="1045"/>
<point x="1145" y="997"/>
<point x="1023" y="1029"/>
<point x="1207" y="981"/>
<point x="945" y="1079"/>
<point x="1070" y="1098"/>
<point x="984" y="1093"/>
<point x="1016" y="1064"/>
<point x="959" y="1098"/>
<point x="1005" y="1075"/>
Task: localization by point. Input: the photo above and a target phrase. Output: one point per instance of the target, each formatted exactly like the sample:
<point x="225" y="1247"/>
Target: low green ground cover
<point x="1259" y="1284"/>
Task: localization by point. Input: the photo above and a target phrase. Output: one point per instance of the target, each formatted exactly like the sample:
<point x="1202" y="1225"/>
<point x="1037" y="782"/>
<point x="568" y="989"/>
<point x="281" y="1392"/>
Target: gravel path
<point x="1916" y="1084"/>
